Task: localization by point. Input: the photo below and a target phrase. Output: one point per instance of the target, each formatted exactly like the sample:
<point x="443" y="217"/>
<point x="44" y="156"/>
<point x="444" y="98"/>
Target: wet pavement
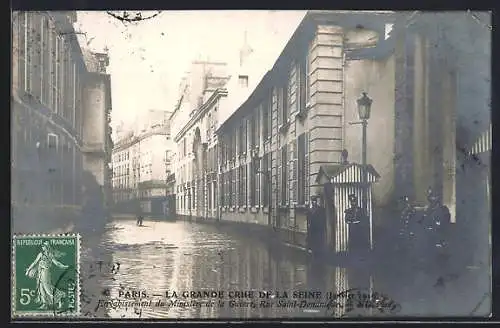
<point x="180" y="256"/>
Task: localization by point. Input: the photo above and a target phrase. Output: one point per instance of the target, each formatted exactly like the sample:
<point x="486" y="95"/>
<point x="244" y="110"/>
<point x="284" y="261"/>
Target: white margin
<point x="49" y="313"/>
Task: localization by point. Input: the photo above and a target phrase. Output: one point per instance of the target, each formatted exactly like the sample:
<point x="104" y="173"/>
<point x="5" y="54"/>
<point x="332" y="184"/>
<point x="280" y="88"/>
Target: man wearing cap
<point x="139" y="215"/>
<point x="359" y="227"/>
<point x="407" y="224"/>
<point x="436" y="220"/>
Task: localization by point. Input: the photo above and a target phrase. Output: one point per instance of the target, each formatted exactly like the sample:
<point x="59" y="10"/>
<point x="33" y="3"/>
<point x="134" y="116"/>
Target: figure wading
<point x="315" y="227"/>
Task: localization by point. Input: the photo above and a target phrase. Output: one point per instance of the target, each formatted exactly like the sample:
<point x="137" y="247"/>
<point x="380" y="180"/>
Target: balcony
<point x="94" y="147"/>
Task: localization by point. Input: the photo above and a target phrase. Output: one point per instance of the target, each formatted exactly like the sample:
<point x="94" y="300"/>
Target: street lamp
<point x="364" y="106"/>
<point x="364" y="110"/>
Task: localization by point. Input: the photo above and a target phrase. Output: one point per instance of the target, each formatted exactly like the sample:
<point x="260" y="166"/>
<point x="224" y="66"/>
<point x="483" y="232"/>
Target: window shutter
<point x="230" y="188"/>
<point x="250" y="130"/>
<point x="293" y="87"/>
<point x="295" y="169"/>
<point x="241" y="184"/>
<point x="280" y="102"/>
<point x="228" y="181"/>
<point x="223" y="193"/>
<point x="246" y="200"/>
<point x="246" y="124"/>
<point x="307" y="167"/>
<point x="279" y="177"/>
<point x="258" y="123"/>
<point x="300" y="169"/>
<point x="238" y="183"/>
<point x="222" y="189"/>
<point x="234" y="190"/>
<point x="291" y="191"/>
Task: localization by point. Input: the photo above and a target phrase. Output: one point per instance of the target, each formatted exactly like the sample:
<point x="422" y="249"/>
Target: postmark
<point x="127" y="17"/>
<point x="45" y="275"/>
<point x="362" y="302"/>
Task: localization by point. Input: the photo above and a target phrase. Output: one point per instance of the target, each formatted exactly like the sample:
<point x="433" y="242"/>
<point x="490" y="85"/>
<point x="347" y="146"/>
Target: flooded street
<point x="163" y="257"/>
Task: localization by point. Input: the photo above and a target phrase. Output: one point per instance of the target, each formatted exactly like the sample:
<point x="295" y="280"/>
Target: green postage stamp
<point x="45" y="275"/>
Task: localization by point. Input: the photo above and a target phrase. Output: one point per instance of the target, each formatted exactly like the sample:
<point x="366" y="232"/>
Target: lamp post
<point x="364" y="109"/>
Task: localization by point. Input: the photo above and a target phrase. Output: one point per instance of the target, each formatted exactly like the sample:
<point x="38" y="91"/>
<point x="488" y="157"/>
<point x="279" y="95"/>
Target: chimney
<point x="102" y="62"/>
<point x="245" y="50"/>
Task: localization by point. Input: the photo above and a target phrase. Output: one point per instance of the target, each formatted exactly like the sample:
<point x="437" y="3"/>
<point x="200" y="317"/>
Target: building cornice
<point x="302" y="35"/>
<point x="65" y="28"/>
<point x="200" y="112"/>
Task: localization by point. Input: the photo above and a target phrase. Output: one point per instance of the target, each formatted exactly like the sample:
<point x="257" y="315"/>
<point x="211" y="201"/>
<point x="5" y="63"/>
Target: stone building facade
<point x="141" y="163"/>
<point x="196" y="164"/>
<point x="202" y="90"/>
<point x="298" y="119"/>
<point x="295" y="121"/>
<point x="443" y="106"/>
<point x="53" y="133"/>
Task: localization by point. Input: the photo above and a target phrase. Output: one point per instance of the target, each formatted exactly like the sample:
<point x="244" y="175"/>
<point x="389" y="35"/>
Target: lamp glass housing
<point x="364" y="106"/>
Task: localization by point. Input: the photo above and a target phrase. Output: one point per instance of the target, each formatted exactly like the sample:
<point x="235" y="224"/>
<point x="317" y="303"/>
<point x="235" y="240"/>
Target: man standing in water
<point x="436" y="220"/>
<point x="359" y="227"/>
<point x="407" y="226"/>
<point x="315" y="227"/>
<point x="140" y="217"/>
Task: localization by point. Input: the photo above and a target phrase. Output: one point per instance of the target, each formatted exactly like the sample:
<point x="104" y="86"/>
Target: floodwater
<point x="161" y="258"/>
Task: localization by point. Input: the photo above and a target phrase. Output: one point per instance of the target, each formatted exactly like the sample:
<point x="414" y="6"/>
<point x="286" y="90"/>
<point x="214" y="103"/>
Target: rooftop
<point x="265" y="60"/>
<point x="255" y="67"/>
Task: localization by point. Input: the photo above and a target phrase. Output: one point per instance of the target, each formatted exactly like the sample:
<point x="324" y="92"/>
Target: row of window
<point x="188" y="200"/>
<point x="121" y="157"/>
<point x="250" y="183"/>
<point x="124" y="170"/>
<point x="48" y="67"/>
<point x="42" y="158"/>
<point x="293" y="177"/>
<point x="288" y="98"/>
<point x="211" y="161"/>
<point x="246" y="184"/>
<point x="121" y="180"/>
<point x="121" y="196"/>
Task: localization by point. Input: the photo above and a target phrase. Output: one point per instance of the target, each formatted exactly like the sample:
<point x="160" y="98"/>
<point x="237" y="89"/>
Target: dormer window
<point x="243" y="80"/>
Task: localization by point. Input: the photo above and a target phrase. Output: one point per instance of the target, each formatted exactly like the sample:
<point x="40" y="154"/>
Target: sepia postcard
<point x="250" y="164"/>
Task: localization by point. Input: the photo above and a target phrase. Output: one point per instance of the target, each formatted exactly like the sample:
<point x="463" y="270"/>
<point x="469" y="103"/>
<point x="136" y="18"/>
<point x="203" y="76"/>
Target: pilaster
<point x="326" y="100"/>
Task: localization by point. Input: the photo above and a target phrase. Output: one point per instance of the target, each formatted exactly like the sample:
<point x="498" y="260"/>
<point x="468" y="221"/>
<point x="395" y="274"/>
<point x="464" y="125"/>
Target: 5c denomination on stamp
<point x="46" y="275"/>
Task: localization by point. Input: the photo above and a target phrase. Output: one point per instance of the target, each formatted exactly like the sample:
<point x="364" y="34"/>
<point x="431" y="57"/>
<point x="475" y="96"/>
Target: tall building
<point x="141" y="163"/>
<point x="56" y="121"/>
<point x="196" y="119"/>
<point x="288" y="139"/>
<point x="198" y="84"/>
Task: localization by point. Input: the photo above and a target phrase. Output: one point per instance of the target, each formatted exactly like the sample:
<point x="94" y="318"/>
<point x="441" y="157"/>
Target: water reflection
<point x="179" y="256"/>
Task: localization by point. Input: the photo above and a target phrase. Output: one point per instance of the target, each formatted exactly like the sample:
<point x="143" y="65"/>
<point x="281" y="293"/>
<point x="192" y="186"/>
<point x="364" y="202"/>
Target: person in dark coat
<point x="408" y="216"/>
<point x="359" y="227"/>
<point x="315" y="227"/>
<point x="436" y="220"/>
<point x="139" y="214"/>
<point x="407" y="224"/>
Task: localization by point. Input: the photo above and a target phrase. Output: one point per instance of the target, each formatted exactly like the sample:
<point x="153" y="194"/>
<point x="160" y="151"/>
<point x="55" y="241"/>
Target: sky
<point x="149" y="58"/>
